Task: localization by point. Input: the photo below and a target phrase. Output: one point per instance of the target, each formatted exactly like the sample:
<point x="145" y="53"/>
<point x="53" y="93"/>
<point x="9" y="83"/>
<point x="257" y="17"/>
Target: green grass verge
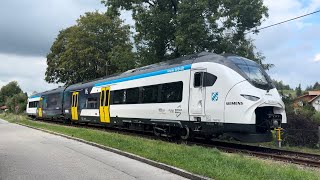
<point x="203" y="161"/>
<point x="289" y="148"/>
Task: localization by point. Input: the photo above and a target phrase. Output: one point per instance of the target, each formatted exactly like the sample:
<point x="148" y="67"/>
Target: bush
<point x="301" y="129"/>
<point x="17" y="103"/>
<point x="316" y="118"/>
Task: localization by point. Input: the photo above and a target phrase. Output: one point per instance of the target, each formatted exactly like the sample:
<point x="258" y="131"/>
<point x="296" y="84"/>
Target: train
<point x="205" y="94"/>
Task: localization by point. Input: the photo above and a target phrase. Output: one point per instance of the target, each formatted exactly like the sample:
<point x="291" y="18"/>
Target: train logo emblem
<point x="214" y="96"/>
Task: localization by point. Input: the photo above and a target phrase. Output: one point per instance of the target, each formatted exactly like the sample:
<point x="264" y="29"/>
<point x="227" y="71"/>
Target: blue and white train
<point x="33" y="102"/>
<point x="204" y="94"/>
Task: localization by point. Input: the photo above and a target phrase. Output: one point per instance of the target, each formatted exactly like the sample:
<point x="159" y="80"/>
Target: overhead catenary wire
<point x="288" y="20"/>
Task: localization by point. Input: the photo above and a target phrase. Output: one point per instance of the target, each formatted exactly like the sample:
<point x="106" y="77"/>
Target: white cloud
<point x="28" y="71"/>
<point x="291" y="45"/>
<point x="317" y="58"/>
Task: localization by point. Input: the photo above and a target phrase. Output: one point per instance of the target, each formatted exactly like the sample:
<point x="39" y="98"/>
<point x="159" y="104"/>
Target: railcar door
<point x="40" y="108"/>
<point x="197" y="95"/>
<point x="104" y="105"/>
<point x="74" y="106"/>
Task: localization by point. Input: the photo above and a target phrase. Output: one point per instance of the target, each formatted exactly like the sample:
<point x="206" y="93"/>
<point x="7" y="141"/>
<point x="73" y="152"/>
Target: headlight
<point x="249" y="97"/>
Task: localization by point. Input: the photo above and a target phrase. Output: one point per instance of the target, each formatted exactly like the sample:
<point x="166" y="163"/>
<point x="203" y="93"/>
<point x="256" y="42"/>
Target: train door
<point x="40" y="108"/>
<point x="197" y="95"/>
<point x="104" y="105"/>
<point x="74" y="106"/>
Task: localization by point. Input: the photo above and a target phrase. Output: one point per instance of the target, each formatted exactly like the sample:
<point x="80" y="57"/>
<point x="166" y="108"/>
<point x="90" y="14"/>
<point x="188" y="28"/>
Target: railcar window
<point x="52" y="100"/>
<point x="209" y="79"/>
<point x="92" y="103"/>
<point x="149" y="94"/>
<point x="44" y="104"/>
<point x="118" y="97"/>
<point x="107" y="98"/>
<point x="77" y="100"/>
<point x="132" y="96"/>
<point x="72" y="101"/>
<point x="198" y="79"/>
<point x="33" y="104"/>
<point x="172" y="92"/>
<point x="102" y="99"/>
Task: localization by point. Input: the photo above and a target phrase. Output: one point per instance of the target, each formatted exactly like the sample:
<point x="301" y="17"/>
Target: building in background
<point x="312" y="98"/>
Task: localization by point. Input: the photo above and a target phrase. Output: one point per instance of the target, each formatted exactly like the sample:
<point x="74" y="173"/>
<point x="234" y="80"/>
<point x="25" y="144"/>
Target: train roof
<point x="35" y="95"/>
<point x="60" y="89"/>
<point x="181" y="61"/>
<point x="185" y="60"/>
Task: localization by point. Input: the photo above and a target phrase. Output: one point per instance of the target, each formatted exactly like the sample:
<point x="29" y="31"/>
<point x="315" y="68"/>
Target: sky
<point x="29" y="27"/>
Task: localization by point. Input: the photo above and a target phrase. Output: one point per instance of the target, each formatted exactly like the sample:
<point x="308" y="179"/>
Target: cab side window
<point x="204" y="79"/>
<point x="209" y="79"/>
<point x="198" y="79"/>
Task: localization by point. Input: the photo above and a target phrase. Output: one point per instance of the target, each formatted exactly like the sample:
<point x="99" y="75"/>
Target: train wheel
<point x="185" y="133"/>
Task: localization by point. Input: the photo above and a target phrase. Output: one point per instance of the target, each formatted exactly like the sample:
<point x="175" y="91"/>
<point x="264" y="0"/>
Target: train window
<point x="107" y="98"/>
<point x="76" y="99"/>
<point x="118" y="97"/>
<point x="102" y="98"/>
<point x="72" y="101"/>
<point x="52" y="101"/>
<point x="92" y="103"/>
<point x="33" y="104"/>
<point x="44" y="104"/>
<point x="149" y="94"/>
<point x="132" y="96"/>
<point x="171" y="92"/>
<point x="209" y="79"/>
<point x="198" y="79"/>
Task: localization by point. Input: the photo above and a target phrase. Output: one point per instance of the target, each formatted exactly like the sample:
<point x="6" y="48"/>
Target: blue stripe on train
<point x="156" y="73"/>
<point x="31" y="97"/>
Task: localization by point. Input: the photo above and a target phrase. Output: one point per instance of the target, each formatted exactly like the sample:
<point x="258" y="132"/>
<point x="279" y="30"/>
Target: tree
<point x="98" y="45"/>
<point x="280" y="85"/>
<point x="172" y="28"/>
<point x="8" y="91"/>
<point x="298" y="90"/>
<point x="17" y="103"/>
<point x="316" y="86"/>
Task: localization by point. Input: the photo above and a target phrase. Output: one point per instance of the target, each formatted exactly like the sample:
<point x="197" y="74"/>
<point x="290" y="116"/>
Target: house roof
<point x="314" y="98"/>
<point x="310" y="97"/>
<point x="314" y="93"/>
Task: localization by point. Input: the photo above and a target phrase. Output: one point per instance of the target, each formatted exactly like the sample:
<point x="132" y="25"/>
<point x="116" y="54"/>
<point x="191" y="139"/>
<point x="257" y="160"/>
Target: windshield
<point x="253" y="72"/>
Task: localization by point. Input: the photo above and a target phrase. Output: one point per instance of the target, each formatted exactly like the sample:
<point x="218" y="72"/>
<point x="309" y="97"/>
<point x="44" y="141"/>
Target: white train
<point x="33" y="102"/>
<point x="203" y="94"/>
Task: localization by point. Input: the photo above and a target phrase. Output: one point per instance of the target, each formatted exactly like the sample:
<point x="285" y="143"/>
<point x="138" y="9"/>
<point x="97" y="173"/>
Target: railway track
<point x="300" y="158"/>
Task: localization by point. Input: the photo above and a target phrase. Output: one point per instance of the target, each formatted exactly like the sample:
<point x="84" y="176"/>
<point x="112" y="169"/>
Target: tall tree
<point x="8" y="91"/>
<point x="173" y="28"/>
<point x="298" y="90"/>
<point x="316" y="86"/>
<point x="17" y="103"/>
<point x="98" y="45"/>
<point x="280" y="85"/>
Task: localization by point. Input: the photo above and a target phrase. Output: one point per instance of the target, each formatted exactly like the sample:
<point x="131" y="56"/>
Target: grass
<point x="203" y="161"/>
<point x="274" y="144"/>
<point x="291" y="92"/>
